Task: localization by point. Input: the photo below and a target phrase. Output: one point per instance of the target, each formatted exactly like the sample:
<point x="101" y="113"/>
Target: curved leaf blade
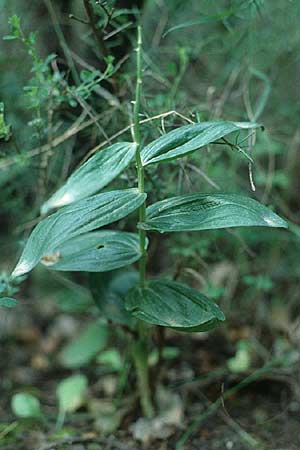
<point x="98" y="251"/>
<point x="173" y="305"/>
<point x="195" y="212"/>
<point x="203" y="19"/>
<point x="187" y="139"/>
<point x="74" y="220"/>
<point x="93" y="175"/>
<point x="8" y="302"/>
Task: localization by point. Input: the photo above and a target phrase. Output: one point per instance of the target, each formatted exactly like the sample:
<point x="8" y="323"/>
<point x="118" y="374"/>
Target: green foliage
<point x="9" y="287"/>
<point x="73" y="299"/>
<point x="5" y="130"/>
<point x="26" y="406"/>
<point x="259" y="282"/>
<point x="92" y="176"/>
<point x="69" y="239"/>
<point x="189" y="138"/>
<point x="45" y="86"/>
<point x="99" y="251"/>
<point x="109" y="290"/>
<point x="207" y="212"/>
<point x="83" y="349"/>
<point x="241" y="362"/>
<point x="167" y="353"/>
<point x="71" y="393"/>
<point x="73" y="221"/>
<point x="112" y="359"/>
<point x="90" y="80"/>
<point x="8" y="302"/>
<point x="230" y="12"/>
<point x="173" y="305"/>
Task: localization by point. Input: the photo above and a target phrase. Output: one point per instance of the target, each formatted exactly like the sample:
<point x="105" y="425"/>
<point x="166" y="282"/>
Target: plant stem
<point x="92" y="22"/>
<point x="140" y="348"/>
<point x="139" y="166"/>
<point x="140" y="356"/>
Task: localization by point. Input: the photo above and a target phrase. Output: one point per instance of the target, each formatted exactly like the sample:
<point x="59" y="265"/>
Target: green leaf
<point x="15" y="21"/>
<point x="174" y="305"/>
<point x="83" y="349"/>
<point x="8" y="302"/>
<point x="164" y="353"/>
<point x="92" y="176"/>
<point x="5" y="130"/>
<point x="74" y="220"/>
<point x="71" y="393"/>
<point x="241" y="362"/>
<point x="202" y="20"/>
<point x="209" y="211"/>
<point x="73" y="299"/>
<point x="98" y="251"/>
<point x="9" y="37"/>
<point x="109" y="290"/>
<point x="187" y="139"/>
<point x="26" y="406"/>
<point x="112" y="359"/>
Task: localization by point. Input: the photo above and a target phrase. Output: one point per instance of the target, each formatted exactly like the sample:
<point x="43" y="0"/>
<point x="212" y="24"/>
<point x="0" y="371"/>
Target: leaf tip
<point x="275" y="221"/>
<point x="64" y="200"/>
<point x="21" y="268"/>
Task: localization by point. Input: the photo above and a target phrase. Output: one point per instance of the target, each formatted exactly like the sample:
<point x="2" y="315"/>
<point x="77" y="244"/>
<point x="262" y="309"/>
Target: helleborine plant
<point x="70" y="239"/>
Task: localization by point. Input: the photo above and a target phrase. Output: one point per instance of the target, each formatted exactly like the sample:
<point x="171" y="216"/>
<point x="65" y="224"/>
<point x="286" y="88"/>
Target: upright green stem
<point x="140" y="348"/>
<point x="139" y="166"/>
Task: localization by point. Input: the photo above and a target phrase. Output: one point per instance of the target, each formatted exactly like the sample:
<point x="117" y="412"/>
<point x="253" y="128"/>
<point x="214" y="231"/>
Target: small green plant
<point x="70" y="239"/>
<point x="49" y="90"/>
<point x="8" y="288"/>
<point x="71" y="394"/>
<point x="26" y="406"/>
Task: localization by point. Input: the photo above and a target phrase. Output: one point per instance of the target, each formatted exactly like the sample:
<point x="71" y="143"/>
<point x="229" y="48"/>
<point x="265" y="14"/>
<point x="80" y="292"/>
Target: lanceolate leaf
<point x="73" y="220"/>
<point x="173" y="305"/>
<point x="202" y="20"/>
<point x="98" y="251"/>
<point x="209" y="211"/>
<point x="92" y="176"/>
<point x="189" y="138"/>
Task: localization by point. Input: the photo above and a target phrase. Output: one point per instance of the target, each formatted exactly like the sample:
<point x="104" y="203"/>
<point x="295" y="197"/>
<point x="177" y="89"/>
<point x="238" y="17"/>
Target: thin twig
<point x="76" y="128"/>
<point x="214" y="407"/>
<point x="78" y="19"/>
<point x="90" y="111"/>
<point x="130" y="127"/>
<point x="96" y="31"/>
<point x="203" y="174"/>
<point x="108" y="13"/>
<point x="117" y="30"/>
<point x="62" y="41"/>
